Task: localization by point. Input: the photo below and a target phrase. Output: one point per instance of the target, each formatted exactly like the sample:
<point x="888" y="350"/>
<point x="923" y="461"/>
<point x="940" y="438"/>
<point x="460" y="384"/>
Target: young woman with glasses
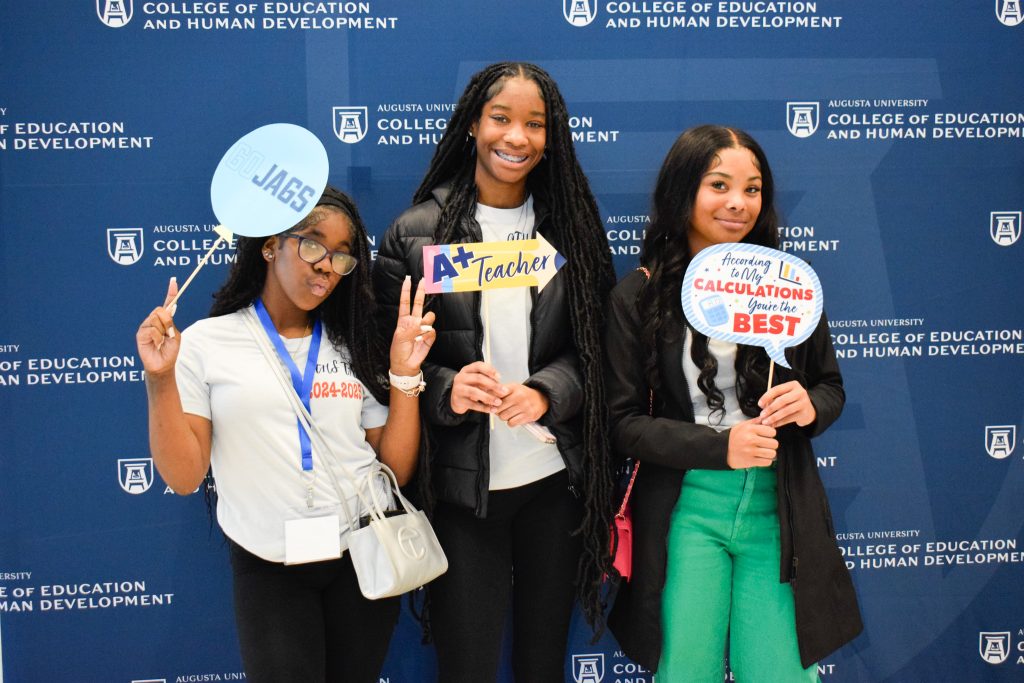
<point x="216" y="406"/>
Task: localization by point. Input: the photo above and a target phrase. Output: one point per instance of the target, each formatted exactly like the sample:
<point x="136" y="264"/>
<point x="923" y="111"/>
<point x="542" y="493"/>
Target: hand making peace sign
<point x="413" y="332"/>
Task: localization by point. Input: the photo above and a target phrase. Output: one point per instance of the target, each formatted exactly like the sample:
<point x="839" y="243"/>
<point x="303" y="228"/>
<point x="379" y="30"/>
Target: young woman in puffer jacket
<point x="506" y="502"/>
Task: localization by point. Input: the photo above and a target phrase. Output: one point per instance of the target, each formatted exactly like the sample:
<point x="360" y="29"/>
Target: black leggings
<point x="527" y="533"/>
<point x="308" y="623"/>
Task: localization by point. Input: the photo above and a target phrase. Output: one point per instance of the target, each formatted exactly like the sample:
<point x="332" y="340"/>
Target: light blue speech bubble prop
<point x="269" y="180"/>
<point x="264" y="184"/>
<point x="748" y="294"/>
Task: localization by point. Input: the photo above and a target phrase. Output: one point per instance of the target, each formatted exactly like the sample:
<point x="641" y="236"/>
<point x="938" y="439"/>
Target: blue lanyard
<point x="303" y="383"/>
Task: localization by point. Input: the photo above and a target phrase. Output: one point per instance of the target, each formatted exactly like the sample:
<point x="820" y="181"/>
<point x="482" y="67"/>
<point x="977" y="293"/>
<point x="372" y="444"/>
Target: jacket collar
<point x="540" y="209"/>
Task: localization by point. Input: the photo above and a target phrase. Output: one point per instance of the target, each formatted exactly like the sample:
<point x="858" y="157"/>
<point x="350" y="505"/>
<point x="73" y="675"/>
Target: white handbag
<point x="393" y="553"/>
<point x="397" y="553"/>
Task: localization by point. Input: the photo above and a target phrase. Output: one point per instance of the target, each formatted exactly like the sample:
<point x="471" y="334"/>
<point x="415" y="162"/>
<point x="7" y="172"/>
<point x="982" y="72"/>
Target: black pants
<point x="308" y="623"/>
<point x="523" y="550"/>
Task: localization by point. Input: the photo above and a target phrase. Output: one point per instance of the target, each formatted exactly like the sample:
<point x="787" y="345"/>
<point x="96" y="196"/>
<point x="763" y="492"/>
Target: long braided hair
<point x="666" y="252"/>
<point x="589" y="275"/>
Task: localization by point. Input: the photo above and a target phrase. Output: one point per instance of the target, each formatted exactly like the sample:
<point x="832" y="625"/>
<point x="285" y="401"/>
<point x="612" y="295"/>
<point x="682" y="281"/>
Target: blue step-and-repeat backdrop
<point x="895" y="131"/>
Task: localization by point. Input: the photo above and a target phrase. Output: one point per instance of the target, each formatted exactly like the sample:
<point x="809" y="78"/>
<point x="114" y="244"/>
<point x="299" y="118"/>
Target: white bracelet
<point x="410" y="386"/>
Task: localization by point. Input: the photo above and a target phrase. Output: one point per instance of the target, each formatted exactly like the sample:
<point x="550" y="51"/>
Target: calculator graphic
<point x="714" y="310"/>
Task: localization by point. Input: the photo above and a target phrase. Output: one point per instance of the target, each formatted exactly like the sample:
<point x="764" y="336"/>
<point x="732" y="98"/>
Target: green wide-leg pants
<point x="723" y="581"/>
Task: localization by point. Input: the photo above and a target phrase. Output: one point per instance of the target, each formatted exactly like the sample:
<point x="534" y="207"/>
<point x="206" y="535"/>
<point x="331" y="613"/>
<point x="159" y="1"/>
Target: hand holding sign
<point x="477" y="386"/>
<point x="481" y="266"/>
<point x="156" y="340"/>
<point x="787" y="403"/>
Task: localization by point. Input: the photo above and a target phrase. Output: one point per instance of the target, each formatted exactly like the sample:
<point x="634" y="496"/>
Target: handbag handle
<point x="376" y="510"/>
<point x="621" y="514"/>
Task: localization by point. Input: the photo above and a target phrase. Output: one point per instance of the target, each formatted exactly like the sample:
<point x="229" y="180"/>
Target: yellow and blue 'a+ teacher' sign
<point x="489" y="265"/>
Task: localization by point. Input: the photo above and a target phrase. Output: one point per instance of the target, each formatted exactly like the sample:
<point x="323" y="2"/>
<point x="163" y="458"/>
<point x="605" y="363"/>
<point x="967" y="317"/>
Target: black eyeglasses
<point x="313" y="252"/>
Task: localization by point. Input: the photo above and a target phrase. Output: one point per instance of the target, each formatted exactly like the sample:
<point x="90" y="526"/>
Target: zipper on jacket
<point x="792" y="570"/>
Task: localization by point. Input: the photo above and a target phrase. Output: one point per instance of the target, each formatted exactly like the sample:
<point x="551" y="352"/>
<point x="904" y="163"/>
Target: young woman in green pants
<point x="733" y="537"/>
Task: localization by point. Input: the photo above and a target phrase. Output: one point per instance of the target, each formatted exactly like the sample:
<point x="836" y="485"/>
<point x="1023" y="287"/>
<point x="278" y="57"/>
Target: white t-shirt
<point x="725" y="380"/>
<point x="223" y="376"/>
<point x="517" y="457"/>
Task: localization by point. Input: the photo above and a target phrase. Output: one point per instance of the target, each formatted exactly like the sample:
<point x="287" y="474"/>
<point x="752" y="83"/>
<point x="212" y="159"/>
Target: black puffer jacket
<point x="668" y="443"/>
<point x="459" y="443"/>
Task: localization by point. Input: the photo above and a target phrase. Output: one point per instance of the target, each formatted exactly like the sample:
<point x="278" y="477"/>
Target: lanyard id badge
<point x="310" y="538"/>
<point x="303" y="383"/>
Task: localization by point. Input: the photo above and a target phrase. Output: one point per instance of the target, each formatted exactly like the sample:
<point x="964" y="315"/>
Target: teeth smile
<point x="509" y="157"/>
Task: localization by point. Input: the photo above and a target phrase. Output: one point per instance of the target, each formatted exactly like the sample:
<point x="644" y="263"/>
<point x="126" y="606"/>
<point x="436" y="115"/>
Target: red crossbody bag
<point x="622" y="526"/>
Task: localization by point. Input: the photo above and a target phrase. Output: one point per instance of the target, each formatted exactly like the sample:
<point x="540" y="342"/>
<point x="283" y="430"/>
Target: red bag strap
<point x="636" y="463"/>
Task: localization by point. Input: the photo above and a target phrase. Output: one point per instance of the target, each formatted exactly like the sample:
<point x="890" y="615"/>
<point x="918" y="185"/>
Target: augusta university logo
<point x="1004" y="227"/>
<point x="588" y="668"/>
<point x="1008" y="12"/>
<point x="1000" y="440"/>
<point x="994" y="646"/>
<point x="124" y="245"/>
<point x="114" y="13"/>
<point x="135" y="474"/>
<point x="802" y="118"/>
<point x="579" y="12"/>
<point x="350" y="123"/>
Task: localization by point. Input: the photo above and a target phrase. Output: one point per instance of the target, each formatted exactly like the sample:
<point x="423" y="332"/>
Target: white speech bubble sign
<point x="269" y="180"/>
<point x="749" y="294"/>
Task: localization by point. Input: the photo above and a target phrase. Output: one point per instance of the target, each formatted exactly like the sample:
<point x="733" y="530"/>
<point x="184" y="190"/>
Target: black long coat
<point x="669" y="443"/>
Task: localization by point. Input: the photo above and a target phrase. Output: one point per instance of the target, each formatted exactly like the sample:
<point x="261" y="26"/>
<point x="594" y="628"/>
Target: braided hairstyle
<point x="666" y="252"/>
<point x="348" y="314"/>
<point x="576" y="226"/>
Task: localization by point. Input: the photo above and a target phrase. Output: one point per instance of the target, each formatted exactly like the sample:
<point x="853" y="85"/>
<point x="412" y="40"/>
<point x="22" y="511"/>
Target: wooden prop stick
<point x="223" y="235"/>
<point x="771" y="372"/>
<point x="487" y="338"/>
